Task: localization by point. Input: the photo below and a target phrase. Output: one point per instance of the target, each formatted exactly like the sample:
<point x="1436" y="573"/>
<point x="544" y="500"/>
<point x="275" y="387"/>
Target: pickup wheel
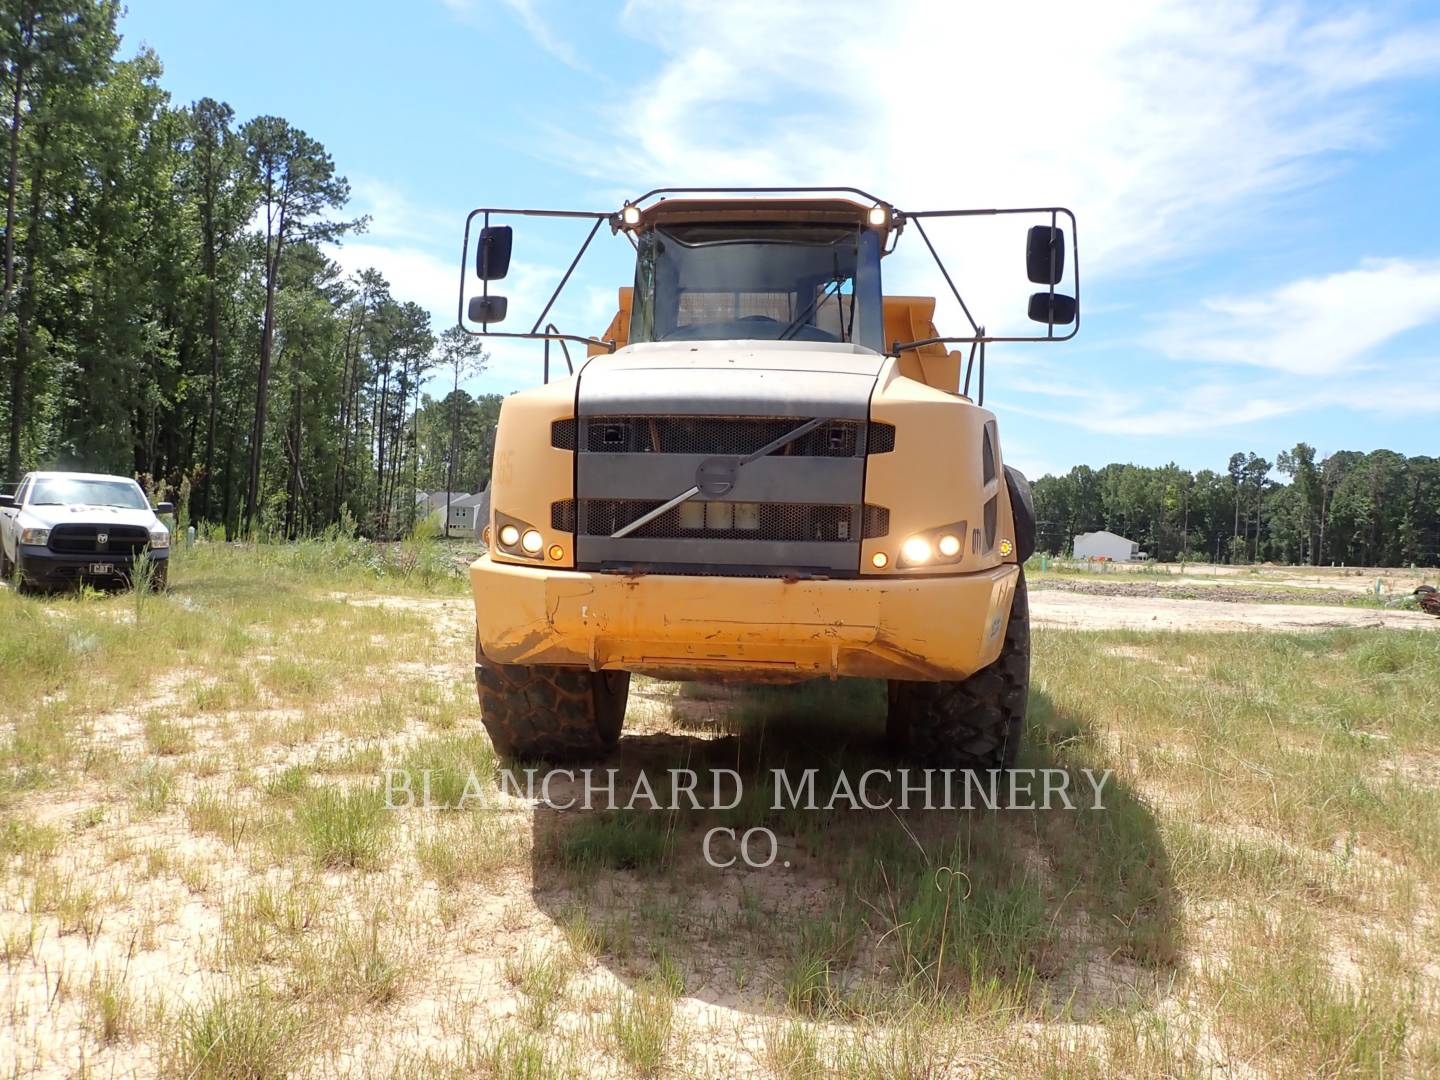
<point x="7" y="568"/>
<point x="973" y="723"/>
<point x="551" y="713"/>
<point x="160" y="576"/>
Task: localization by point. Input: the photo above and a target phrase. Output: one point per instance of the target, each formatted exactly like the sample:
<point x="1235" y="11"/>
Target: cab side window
<point x="22" y="492"/>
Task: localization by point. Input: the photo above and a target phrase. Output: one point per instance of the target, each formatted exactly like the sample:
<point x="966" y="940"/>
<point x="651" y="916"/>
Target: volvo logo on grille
<point x="102" y="539"/>
<point x="716" y="476"/>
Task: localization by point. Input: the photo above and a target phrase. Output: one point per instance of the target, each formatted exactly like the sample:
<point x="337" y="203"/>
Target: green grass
<point x="1255" y="897"/>
<point x="617" y="840"/>
<point x="235" y="1035"/>
<point x="344" y="828"/>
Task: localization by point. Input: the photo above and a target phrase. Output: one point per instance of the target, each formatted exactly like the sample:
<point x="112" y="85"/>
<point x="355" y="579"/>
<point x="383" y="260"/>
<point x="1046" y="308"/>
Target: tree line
<point x="169" y="309"/>
<point x="1350" y="508"/>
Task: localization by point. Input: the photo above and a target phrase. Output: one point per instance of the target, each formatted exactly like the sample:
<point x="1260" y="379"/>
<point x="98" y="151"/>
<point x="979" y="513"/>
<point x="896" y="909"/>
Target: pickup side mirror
<point x="488" y="309"/>
<point x="165" y="508"/>
<point x="492" y="254"/>
<point x="1053" y="309"/>
<point x="1045" y="255"/>
<point x="6" y="501"/>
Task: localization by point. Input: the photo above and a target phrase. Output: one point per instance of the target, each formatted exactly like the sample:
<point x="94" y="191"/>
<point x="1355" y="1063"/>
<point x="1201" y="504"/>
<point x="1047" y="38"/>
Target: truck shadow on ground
<point x="1057" y="912"/>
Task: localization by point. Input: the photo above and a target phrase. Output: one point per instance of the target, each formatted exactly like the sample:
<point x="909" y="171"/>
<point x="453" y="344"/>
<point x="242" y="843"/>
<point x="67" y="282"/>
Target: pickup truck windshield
<point x="64" y="491"/>
<point x="755" y="280"/>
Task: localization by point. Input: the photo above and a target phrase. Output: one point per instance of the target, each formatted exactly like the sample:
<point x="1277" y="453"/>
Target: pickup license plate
<point x="101" y="568"/>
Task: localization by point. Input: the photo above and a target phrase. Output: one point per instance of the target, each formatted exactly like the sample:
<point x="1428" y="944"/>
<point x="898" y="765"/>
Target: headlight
<point x="932" y="547"/>
<point x="35" y="536"/>
<point x="916" y="550"/>
<point x="518" y="538"/>
<point x="159" y="538"/>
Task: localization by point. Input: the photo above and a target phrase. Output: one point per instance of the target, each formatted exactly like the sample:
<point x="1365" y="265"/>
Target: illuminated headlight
<point x="935" y="547"/>
<point x="630" y="215"/>
<point x="879" y="215"/>
<point x="531" y="542"/>
<point x="159" y="538"/>
<point x="35" y="536"/>
<point x="916" y="550"/>
<point x="509" y="535"/>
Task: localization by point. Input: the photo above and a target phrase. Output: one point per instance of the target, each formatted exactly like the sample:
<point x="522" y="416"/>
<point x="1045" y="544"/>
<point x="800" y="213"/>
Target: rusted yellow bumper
<point x="764" y="629"/>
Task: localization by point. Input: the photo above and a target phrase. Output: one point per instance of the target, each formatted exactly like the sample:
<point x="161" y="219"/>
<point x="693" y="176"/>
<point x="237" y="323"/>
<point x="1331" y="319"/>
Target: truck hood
<point x="47" y="517"/>
<point x="731" y="378"/>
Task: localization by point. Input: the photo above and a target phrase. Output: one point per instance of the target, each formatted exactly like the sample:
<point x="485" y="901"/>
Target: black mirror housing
<point x="488" y="309"/>
<point x="165" y="508"/>
<point x="1045" y="254"/>
<point x="1053" y="309"/>
<point x="492" y="254"/>
<point x="6" y="501"/>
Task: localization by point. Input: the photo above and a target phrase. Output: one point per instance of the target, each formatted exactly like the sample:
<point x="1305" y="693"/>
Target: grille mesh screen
<point x="698" y="520"/>
<point x="562" y="434"/>
<point x="717" y="435"/>
<point x="881" y="439"/>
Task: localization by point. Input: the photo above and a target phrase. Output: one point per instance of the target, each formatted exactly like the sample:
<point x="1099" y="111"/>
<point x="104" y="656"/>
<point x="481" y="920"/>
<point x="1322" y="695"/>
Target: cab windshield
<point x="765" y="281"/>
<point x="77" y="492"/>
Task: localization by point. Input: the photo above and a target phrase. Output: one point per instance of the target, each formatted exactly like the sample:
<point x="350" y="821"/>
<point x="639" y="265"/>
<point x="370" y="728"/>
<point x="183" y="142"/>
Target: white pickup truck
<point x="59" y="528"/>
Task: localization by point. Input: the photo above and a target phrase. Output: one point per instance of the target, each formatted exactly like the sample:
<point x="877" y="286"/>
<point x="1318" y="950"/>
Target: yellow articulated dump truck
<point x="765" y="469"/>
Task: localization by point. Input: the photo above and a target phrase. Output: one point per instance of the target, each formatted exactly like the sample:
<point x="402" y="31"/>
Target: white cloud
<point x="1157" y="125"/>
<point x="536" y="25"/>
<point x="414" y="275"/>
<point x="1110" y="405"/>
<point x="1316" y="326"/>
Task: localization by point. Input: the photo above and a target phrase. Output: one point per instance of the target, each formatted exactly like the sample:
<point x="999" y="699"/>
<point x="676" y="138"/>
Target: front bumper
<point x="41" y="564"/>
<point x="761" y="629"/>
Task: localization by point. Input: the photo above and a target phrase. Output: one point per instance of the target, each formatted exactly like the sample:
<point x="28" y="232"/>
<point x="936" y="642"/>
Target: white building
<point x="462" y="509"/>
<point x="1106" y="545"/>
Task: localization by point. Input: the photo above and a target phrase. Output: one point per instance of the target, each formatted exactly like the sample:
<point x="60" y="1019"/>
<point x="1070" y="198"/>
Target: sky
<point x="1257" y="186"/>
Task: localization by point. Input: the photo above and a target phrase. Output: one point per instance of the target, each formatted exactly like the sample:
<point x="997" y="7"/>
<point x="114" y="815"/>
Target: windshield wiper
<point x="814" y="305"/>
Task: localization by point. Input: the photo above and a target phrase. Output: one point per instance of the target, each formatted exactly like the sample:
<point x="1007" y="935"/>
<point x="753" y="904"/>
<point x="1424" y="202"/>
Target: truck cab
<point x="765" y="470"/>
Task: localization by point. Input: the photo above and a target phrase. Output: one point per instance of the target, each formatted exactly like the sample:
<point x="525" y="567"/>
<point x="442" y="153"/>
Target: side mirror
<point x="1055" y="309"/>
<point x="492" y="254"/>
<point x="165" y="508"/>
<point x="6" y="501"/>
<point x="1045" y="255"/>
<point x="488" y="309"/>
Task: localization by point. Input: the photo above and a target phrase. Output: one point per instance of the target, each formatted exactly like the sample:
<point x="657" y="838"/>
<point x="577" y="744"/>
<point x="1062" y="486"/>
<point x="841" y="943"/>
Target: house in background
<point x="462" y="509"/>
<point x="1107" y="546"/>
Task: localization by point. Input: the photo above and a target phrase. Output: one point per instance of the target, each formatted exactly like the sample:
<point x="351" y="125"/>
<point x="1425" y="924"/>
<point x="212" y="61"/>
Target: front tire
<point x="551" y="713"/>
<point x="975" y="723"/>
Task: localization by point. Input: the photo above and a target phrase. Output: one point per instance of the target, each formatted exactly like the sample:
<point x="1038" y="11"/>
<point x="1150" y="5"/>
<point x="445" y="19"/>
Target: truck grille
<point x="123" y="540"/>
<point x="799" y="510"/>
<point x="723" y="435"/>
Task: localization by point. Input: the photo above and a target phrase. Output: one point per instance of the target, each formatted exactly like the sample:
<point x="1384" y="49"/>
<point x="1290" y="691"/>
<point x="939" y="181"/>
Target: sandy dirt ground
<point x="1079" y="611"/>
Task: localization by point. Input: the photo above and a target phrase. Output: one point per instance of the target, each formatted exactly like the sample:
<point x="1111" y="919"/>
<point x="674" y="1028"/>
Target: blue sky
<point x="1256" y="184"/>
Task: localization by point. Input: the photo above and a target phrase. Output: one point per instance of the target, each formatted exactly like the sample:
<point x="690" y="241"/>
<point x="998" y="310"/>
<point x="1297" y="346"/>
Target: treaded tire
<point x="160" y="576"/>
<point x="7" y="568"/>
<point x="974" y="723"/>
<point x="549" y="713"/>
